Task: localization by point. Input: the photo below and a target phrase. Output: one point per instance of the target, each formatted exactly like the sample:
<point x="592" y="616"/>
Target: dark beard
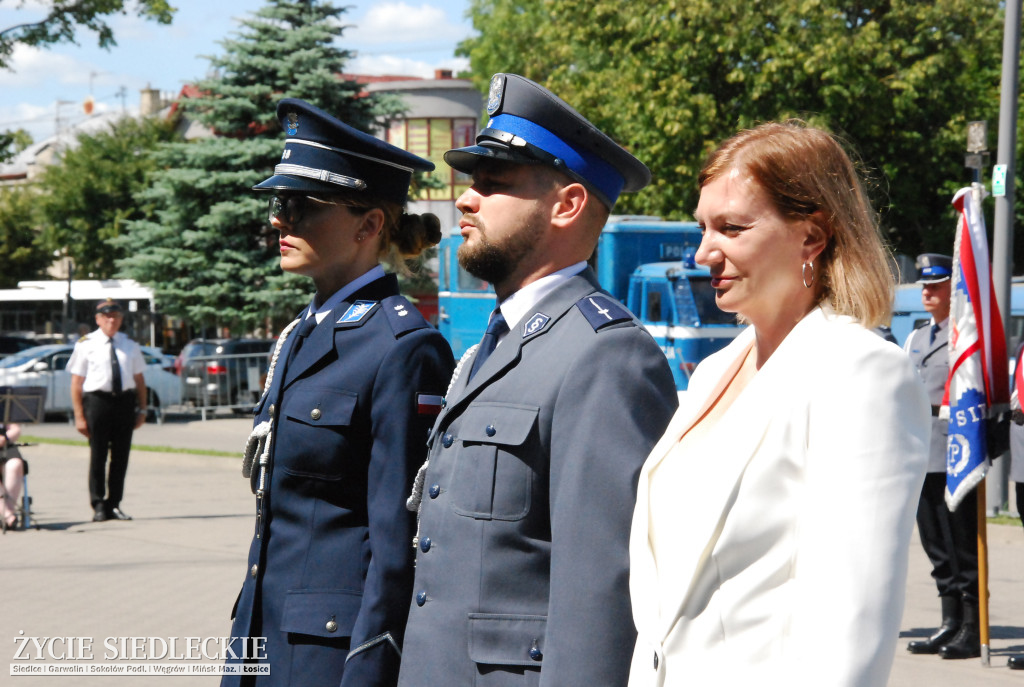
<point x="494" y="262"/>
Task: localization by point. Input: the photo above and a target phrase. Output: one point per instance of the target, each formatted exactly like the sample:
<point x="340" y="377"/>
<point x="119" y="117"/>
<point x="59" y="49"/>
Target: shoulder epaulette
<point x="601" y="311"/>
<point x="402" y="316"/>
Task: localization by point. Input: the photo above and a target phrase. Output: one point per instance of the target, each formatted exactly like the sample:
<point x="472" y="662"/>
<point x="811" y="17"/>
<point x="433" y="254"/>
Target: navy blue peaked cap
<point x="530" y="124"/>
<point x="933" y="268"/>
<point x="325" y="155"/>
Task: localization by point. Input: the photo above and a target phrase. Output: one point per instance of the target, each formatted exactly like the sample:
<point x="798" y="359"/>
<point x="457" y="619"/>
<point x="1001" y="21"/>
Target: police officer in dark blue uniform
<point x="949" y="538"/>
<point x="353" y="388"/>
<point x="527" y="499"/>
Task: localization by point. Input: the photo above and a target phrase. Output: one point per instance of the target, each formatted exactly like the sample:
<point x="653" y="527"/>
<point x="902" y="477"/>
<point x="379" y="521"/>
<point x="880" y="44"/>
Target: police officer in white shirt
<point x="108" y="394"/>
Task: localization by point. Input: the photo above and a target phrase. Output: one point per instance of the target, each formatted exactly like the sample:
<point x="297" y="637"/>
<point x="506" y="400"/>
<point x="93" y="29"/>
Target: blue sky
<point x="412" y="37"/>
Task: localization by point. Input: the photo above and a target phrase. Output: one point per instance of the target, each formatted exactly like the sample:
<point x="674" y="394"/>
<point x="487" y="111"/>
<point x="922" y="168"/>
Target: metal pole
<point x="1002" y="230"/>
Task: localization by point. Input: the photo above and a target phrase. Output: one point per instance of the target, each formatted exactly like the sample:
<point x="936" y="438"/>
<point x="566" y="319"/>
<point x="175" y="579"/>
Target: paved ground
<point x="174" y="571"/>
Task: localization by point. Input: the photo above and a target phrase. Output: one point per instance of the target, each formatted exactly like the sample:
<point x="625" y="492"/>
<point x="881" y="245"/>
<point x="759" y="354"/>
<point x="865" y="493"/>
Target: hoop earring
<point x="803" y="274"/>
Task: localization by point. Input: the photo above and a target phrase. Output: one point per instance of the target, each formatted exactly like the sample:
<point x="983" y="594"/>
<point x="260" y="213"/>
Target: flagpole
<point x="983" y="574"/>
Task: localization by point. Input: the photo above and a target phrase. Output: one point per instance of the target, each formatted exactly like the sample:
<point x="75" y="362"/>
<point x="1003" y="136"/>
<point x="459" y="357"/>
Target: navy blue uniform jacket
<point x="330" y="567"/>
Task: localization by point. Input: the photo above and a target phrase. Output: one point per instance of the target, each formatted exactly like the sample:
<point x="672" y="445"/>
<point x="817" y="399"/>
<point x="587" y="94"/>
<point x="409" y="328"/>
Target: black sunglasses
<point x="291" y="209"/>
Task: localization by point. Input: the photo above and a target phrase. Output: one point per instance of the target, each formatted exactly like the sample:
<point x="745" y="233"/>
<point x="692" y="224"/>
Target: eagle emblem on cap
<point x="292" y="123"/>
<point x="495" y="94"/>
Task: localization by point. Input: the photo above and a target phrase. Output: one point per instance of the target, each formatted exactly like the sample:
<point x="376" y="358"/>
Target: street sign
<point x="999" y="180"/>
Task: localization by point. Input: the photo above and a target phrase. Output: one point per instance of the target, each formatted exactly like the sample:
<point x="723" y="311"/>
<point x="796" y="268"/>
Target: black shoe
<point x="932" y="645"/>
<point x="99" y="514"/>
<point x="1015" y="663"/>
<point x="967" y="643"/>
<point x="118" y="514"/>
<point x="952" y="613"/>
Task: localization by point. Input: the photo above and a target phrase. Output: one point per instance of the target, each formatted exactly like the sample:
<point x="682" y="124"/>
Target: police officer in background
<point x="108" y="395"/>
<point x="949" y="538"/>
<point x="527" y="497"/>
<point x="353" y="388"/>
<point x="1017" y="461"/>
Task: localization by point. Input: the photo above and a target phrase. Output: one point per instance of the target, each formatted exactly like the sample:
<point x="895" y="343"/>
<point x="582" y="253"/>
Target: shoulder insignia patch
<point x="356" y="312"/>
<point x="602" y="311"/>
<point x="402" y="316"/>
<point x="534" y="324"/>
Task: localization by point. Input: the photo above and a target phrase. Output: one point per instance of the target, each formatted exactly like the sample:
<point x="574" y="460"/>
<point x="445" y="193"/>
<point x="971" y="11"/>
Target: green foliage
<point x="669" y="79"/>
<point x="25" y="256"/>
<point x="208" y="251"/>
<point x="64" y="17"/>
<point x="13" y="142"/>
<point x="87" y="198"/>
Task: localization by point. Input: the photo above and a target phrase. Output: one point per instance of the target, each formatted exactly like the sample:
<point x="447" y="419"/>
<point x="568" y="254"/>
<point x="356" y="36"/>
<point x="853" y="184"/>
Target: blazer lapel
<point x="554" y="306"/>
<point x="320" y="342"/>
<point x="714" y="477"/>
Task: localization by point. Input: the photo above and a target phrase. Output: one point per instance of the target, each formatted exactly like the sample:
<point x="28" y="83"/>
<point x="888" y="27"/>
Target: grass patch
<point x="1004" y="520"/>
<point x="135" y="447"/>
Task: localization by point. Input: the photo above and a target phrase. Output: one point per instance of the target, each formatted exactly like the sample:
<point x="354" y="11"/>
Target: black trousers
<point x="949" y="539"/>
<point x="111" y="421"/>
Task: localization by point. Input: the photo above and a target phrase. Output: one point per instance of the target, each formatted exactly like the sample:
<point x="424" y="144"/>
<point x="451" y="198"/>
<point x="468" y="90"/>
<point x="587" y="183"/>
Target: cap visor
<point x="933" y="280"/>
<point x="466" y="159"/>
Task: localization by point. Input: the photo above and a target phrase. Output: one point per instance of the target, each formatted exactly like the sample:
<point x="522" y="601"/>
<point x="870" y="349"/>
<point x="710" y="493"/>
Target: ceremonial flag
<point x="978" y="386"/>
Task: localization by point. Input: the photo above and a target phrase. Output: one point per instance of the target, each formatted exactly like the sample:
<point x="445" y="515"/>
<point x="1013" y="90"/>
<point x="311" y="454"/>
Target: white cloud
<point x="396" y="23"/>
<point x="31" y="67"/>
<point x="399" y="66"/>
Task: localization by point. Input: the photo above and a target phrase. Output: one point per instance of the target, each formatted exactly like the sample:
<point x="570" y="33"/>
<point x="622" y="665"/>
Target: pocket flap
<point x="320" y="407"/>
<point x="511" y="640"/>
<point x="321" y="613"/>
<point x="505" y="424"/>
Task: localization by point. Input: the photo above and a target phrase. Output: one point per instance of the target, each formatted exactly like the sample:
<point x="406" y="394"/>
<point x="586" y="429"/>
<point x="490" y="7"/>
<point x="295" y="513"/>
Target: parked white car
<point x="44" y="366"/>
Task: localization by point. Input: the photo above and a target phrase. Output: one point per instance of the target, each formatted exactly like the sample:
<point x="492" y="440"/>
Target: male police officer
<point x="108" y="395"/>
<point x="949" y="538"/>
<point x="522" y="561"/>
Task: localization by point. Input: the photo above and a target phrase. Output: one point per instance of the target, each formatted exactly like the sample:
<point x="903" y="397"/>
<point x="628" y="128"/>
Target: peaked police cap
<point x="933" y="268"/>
<point x="324" y="155"/>
<point x="530" y="124"/>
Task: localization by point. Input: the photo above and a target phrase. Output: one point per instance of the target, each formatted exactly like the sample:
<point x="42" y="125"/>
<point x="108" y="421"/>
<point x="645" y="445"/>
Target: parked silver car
<point x="45" y="366"/>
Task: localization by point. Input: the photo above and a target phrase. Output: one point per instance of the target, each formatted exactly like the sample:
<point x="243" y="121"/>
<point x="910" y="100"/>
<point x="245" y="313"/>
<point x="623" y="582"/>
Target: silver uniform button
<point x="271" y="410"/>
<point x="254" y="569"/>
<point x="331" y="626"/>
<point x="315" y="413"/>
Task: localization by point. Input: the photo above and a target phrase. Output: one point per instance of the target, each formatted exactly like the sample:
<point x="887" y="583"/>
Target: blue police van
<point x="645" y="262"/>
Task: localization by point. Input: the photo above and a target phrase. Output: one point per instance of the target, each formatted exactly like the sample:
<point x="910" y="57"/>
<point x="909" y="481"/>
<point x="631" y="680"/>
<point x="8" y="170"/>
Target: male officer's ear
<point x="571" y="204"/>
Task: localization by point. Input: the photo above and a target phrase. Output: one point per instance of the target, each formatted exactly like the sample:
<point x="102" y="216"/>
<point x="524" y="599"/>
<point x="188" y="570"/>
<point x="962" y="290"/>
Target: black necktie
<point x="931" y="335"/>
<point x="115" y="370"/>
<point x="495" y="329"/>
<point x="301" y="332"/>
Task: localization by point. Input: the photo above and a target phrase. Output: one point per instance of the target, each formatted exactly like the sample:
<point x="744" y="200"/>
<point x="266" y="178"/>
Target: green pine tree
<point x="209" y="253"/>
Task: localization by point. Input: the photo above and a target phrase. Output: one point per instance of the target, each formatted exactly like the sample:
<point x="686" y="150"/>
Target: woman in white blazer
<point x="773" y="519"/>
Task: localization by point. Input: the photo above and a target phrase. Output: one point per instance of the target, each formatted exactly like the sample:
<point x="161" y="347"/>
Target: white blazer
<point x="791" y="533"/>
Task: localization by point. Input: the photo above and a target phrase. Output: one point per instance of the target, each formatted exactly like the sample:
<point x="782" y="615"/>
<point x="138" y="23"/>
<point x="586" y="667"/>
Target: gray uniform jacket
<point x="932" y="363"/>
<point x="522" y="560"/>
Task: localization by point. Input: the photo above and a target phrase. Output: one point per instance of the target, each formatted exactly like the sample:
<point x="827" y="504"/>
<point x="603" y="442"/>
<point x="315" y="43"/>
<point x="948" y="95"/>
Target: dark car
<point x="15" y="344"/>
<point x="224" y="372"/>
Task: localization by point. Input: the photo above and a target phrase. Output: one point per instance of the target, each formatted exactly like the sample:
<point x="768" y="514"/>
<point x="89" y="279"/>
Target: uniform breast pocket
<point x="492" y="480"/>
<point x="315" y="428"/>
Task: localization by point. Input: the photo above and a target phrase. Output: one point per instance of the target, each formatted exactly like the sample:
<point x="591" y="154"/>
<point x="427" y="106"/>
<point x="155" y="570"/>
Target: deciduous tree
<point x="897" y="79"/>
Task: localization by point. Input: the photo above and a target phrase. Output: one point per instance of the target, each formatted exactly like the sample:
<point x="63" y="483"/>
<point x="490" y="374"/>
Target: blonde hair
<point x="806" y="174"/>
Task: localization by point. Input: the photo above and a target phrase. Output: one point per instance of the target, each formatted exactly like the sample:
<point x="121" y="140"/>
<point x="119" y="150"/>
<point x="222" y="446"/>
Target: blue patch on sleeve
<point x="602" y="311"/>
